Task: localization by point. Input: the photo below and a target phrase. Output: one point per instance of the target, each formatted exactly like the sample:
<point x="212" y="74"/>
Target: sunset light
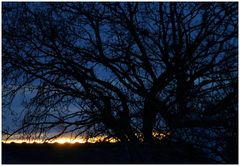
<point x="81" y="140"/>
<point x="62" y="140"/>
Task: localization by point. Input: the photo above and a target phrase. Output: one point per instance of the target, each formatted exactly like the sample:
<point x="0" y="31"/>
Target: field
<point x="117" y="153"/>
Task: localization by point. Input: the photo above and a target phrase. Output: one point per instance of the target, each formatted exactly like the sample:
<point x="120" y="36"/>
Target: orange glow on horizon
<point x="62" y="140"/>
<point x="81" y="140"/>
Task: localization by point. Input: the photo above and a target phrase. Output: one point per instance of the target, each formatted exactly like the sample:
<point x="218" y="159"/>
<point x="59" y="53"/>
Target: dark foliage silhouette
<point x="125" y="70"/>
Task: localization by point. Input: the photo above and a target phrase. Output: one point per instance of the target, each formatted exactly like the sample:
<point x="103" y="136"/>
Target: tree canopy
<point x="125" y="70"/>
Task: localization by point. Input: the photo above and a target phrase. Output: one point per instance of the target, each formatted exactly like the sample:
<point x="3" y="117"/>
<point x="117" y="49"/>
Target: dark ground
<point x="101" y="153"/>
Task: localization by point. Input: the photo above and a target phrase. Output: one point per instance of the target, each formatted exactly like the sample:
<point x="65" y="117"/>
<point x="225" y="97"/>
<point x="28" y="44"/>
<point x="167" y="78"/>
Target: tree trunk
<point x="148" y="121"/>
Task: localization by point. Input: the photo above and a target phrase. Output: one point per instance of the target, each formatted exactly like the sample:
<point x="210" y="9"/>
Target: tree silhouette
<point x="126" y="70"/>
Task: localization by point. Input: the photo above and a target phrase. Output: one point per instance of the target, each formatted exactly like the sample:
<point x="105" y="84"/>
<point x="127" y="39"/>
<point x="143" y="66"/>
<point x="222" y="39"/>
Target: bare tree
<point x="125" y="70"/>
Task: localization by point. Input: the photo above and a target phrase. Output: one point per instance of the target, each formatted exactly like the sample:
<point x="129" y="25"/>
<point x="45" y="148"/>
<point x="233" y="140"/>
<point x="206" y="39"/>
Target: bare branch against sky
<point x="123" y="70"/>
